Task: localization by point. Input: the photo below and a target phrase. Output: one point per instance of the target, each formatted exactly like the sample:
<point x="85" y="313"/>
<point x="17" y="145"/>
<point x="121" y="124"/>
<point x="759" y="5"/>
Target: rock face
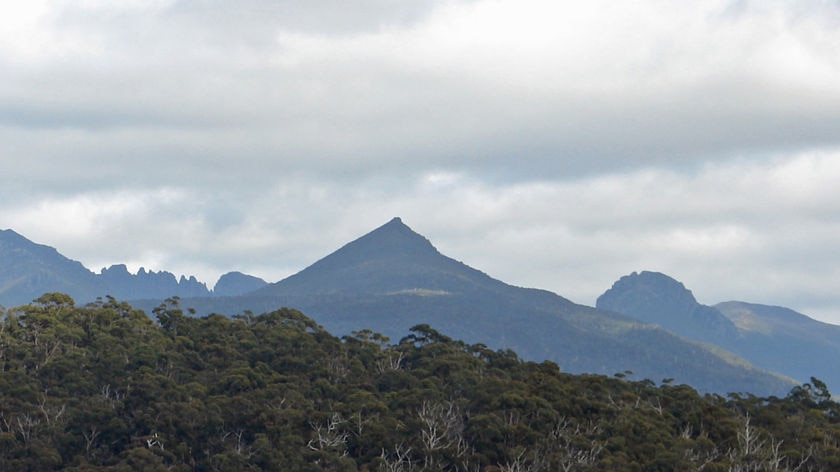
<point x="237" y="283"/>
<point x="123" y="285"/>
<point x="655" y="298"/>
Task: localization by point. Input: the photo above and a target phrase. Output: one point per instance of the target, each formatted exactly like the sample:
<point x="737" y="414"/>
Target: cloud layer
<point x="552" y="144"/>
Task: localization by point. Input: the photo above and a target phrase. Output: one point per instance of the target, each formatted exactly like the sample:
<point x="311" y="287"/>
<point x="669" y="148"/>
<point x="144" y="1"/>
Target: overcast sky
<point x="549" y="143"/>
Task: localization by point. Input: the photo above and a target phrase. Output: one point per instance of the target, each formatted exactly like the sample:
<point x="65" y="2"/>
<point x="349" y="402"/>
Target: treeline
<point x="104" y="387"/>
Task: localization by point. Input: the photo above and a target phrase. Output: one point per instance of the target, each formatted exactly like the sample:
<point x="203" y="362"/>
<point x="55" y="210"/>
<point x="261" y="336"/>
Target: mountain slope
<point x="27" y="270"/>
<point x="393" y="278"/>
<point x="778" y="321"/>
<point x="788" y="341"/>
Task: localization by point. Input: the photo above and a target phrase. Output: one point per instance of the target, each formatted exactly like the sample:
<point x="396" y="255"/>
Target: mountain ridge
<point x="29" y="269"/>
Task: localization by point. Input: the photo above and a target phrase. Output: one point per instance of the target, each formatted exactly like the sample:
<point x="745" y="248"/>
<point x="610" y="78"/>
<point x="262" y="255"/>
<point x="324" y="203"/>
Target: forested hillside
<point x="104" y="387"/>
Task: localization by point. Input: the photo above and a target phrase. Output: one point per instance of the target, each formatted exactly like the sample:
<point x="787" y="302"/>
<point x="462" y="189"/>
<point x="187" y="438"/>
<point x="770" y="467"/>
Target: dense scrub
<point x="105" y="387"/>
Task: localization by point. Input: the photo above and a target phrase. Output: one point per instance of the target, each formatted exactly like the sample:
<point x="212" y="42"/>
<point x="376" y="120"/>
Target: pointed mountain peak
<point x="390" y="259"/>
<point x="395" y="228"/>
<point x="393" y="239"/>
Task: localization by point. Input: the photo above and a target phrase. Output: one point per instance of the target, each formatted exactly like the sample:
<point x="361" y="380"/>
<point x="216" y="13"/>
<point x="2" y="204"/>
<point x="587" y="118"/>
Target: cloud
<point x="470" y="85"/>
<point x="552" y="144"/>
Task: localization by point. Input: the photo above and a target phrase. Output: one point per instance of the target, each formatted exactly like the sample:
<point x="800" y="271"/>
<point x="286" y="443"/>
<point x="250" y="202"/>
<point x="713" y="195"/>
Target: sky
<point x="549" y="143"/>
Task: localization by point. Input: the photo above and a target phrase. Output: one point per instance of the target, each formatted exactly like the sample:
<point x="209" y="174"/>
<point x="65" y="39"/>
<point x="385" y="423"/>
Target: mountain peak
<point x="390" y="259"/>
<point x="10" y="239"/>
<point x="395" y="227"/>
<point x="393" y="239"/>
<point x="656" y="298"/>
<point x="9" y="234"/>
<point x="649" y="288"/>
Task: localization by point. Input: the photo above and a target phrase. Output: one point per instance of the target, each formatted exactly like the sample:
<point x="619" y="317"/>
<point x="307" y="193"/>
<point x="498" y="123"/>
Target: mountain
<point x="655" y="298"/>
<point x="391" y="260"/>
<point x="772" y="338"/>
<point x="393" y="278"/>
<point x="28" y="270"/>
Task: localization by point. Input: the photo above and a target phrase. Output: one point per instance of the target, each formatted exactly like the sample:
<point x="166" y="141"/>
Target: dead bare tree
<point x="754" y="452"/>
<point x="572" y="446"/>
<point x="441" y="428"/>
<point x="329" y="435"/>
<point x="392" y="362"/>
<point x="442" y="424"/>
<point x="400" y="460"/>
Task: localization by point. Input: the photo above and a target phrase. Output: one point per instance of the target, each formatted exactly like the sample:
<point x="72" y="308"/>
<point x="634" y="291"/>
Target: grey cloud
<point x="354" y="109"/>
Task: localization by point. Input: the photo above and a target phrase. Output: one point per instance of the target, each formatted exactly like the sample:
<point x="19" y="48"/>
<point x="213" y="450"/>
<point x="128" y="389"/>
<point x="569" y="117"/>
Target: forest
<point x="105" y="386"/>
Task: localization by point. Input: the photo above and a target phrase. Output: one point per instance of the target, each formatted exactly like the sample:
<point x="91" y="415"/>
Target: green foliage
<point x="103" y="387"/>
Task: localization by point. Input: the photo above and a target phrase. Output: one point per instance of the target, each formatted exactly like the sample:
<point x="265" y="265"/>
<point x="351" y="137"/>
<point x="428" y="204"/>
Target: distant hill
<point x="787" y="341"/>
<point x="28" y="270"/>
<point x="393" y="278"/>
<point x="773" y="338"/>
<point x="237" y="283"/>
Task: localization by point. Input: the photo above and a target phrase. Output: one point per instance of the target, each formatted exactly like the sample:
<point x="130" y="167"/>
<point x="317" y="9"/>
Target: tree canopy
<point x="105" y="387"/>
